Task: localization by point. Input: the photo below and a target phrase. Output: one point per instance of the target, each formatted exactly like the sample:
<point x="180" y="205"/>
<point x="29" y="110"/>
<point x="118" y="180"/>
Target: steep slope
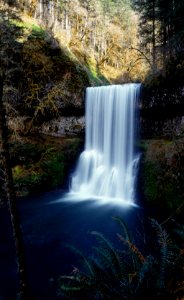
<point x="43" y="82"/>
<point x="42" y="78"/>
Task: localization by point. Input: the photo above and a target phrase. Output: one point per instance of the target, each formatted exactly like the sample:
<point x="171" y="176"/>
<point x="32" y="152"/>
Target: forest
<point x="55" y="57"/>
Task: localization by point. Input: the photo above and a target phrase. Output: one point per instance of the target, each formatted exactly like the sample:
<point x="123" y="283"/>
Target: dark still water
<point x="49" y="224"/>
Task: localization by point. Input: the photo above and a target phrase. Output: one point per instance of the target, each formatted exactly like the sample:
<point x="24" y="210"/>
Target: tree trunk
<point x="153" y="37"/>
<point x="11" y="197"/>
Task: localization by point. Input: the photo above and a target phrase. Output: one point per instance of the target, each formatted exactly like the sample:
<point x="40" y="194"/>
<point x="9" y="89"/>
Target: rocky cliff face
<point x="162" y="111"/>
<point x="167" y="129"/>
<point x="63" y="127"/>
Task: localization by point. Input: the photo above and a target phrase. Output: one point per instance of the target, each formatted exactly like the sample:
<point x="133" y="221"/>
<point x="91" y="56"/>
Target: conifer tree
<point x="148" y="10"/>
<point x="161" y="26"/>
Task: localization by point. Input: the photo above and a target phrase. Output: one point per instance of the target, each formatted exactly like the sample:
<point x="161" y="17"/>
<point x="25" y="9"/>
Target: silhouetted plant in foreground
<point x="127" y="273"/>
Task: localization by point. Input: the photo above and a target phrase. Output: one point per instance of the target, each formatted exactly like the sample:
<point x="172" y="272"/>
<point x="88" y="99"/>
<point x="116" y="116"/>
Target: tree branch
<point x="145" y="57"/>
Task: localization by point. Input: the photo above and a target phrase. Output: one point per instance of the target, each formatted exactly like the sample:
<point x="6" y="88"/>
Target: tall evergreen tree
<point x="161" y="27"/>
<point x="177" y="22"/>
<point x="148" y="11"/>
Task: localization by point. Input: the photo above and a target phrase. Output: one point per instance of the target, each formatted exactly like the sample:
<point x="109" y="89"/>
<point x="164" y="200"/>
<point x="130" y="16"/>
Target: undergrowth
<point x="127" y="272"/>
<point x="42" y="165"/>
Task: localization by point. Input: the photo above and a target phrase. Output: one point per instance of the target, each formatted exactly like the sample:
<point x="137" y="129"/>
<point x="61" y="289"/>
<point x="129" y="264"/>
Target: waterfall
<point x="107" y="166"/>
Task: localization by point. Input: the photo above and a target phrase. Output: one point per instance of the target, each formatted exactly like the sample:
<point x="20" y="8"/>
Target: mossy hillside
<point x="44" y="79"/>
<point x="162" y="173"/>
<point x="44" y="164"/>
<point x="50" y="79"/>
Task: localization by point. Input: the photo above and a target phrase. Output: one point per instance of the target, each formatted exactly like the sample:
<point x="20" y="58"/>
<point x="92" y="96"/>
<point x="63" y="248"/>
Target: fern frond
<point x="165" y="252"/>
<point x="145" y="268"/>
<point x="108" y="254"/>
<point x="125" y="262"/>
<point x="124" y="228"/>
<point x="136" y="256"/>
<point x="133" y="248"/>
<point x="71" y="286"/>
<point x="126" y="273"/>
<point x="99" y="271"/>
<point x="103" y="257"/>
<point x="86" y="262"/>
<point x="70" y="277"/>
<point x="101" y="239"/>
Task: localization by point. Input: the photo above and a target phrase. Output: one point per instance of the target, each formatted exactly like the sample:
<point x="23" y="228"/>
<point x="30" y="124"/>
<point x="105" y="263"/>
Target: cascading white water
<point x="106" y="168"/>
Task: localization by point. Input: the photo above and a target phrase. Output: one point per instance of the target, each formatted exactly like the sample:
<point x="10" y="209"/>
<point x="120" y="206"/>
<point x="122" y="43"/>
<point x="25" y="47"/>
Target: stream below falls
<point x="49" y="224"/>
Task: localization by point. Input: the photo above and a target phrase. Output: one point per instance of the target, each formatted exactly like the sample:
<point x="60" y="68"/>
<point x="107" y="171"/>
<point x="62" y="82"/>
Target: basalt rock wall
<point x="162" y="112"/>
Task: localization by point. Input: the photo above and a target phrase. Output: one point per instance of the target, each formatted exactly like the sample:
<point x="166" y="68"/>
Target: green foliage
<point x="27" y="28"/>
<point x="39" y="166"/>
<point x="124" y="228"/>
<point x="37" y="32"/>
<point x="95" y="77"/>
<point x="54" y="166"/>
<point x="126" y="273"/>
<point x="150" y="183"/>
<point x="161" y="173"/>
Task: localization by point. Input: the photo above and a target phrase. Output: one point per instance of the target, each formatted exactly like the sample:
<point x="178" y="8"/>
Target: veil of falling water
<point x="107" y="167"/>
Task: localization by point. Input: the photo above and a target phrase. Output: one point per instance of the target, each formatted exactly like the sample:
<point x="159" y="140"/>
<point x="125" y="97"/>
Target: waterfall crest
<point x="106" y="167"/>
